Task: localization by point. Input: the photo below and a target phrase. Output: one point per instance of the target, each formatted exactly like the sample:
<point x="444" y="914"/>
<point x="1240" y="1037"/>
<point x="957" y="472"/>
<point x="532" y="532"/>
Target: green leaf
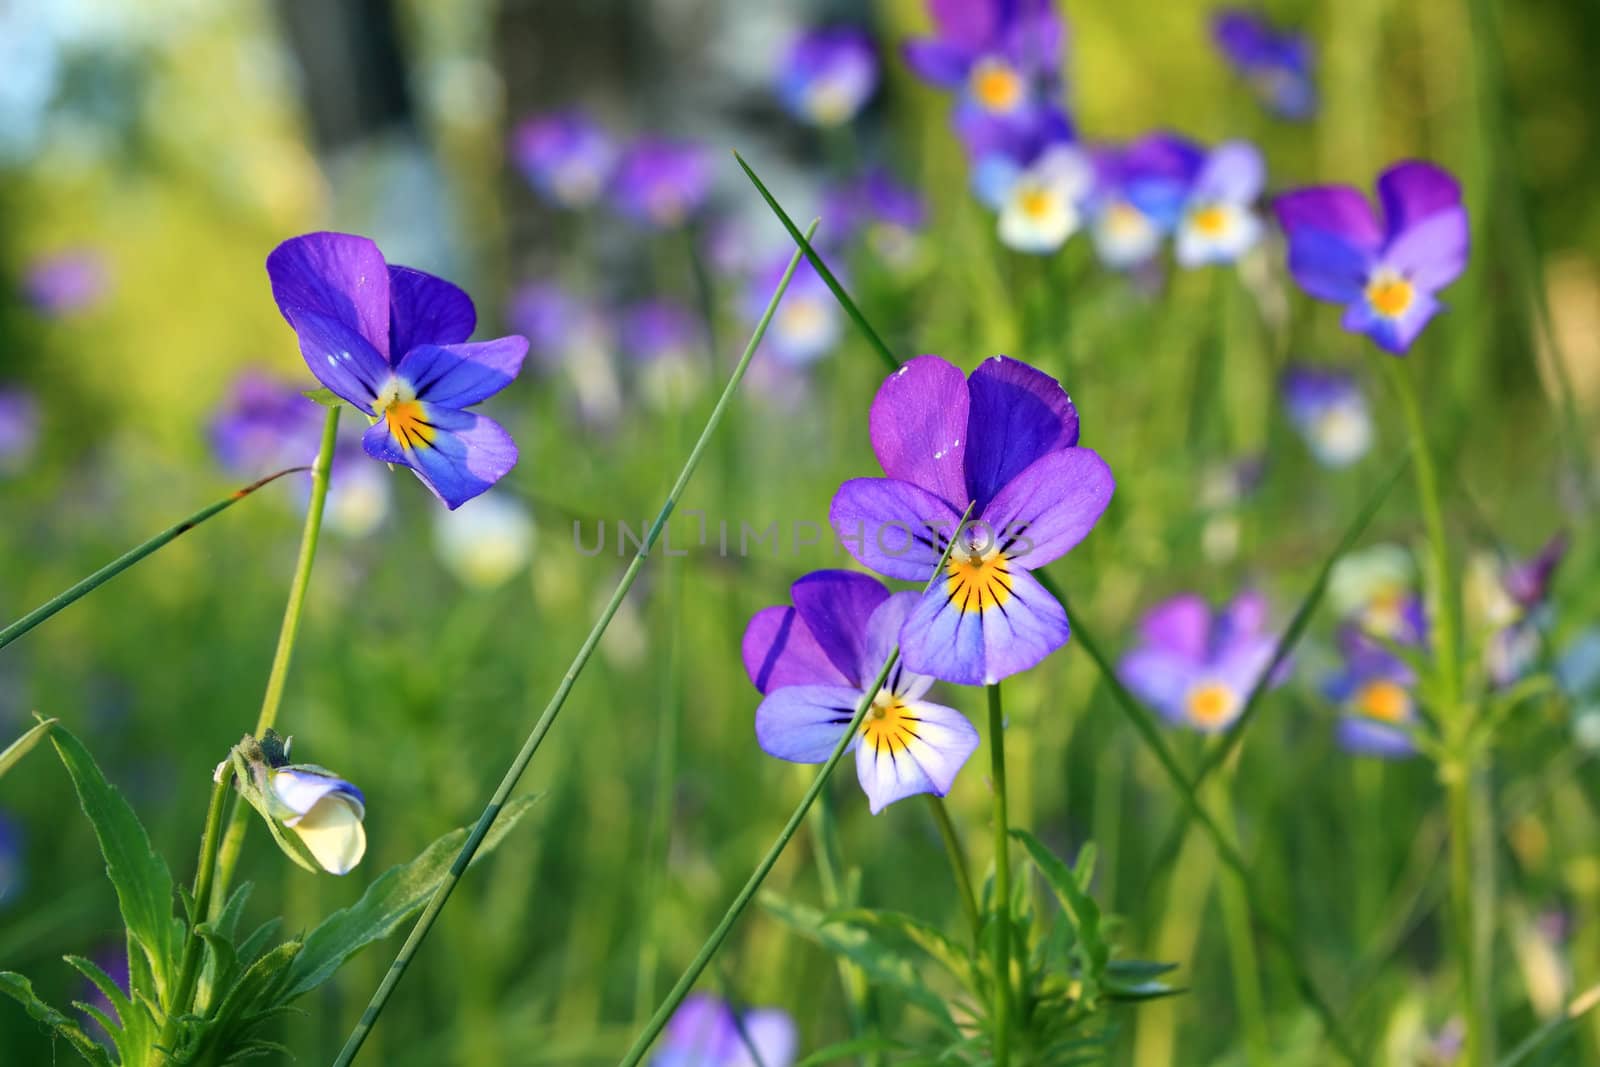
<point x="397" y="895"/>
<point x="898" y="929"/>
<point x="140" y="877"/>
<point x="1079" y="905"/>
<point x="855" y="1048"/>
<point x="326" y="397"/>
<point x="24" y="744"/>
<point x="20" y="989"/>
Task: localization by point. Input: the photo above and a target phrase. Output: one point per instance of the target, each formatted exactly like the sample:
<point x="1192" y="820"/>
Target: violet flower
<point x="662" y="183"/>
<point x="565" y="156"/>
<point x="1330" y="412"/>
<point x="828" y="75"/>
<point x="1276" y="64"/>
<point x="705" y="1032"/>
<point x="1374" y="695"/>
<point x="19" y="429"/>
<point x="1197" y="666"/>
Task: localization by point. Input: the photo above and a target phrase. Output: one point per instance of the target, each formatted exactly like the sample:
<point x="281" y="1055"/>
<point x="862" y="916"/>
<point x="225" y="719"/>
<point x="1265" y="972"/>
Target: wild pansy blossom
<point x="884" y="212"/>
<point x="1373" y="691"/>
<point x="1004" y="440"/>
<point x="393" y="341"/>
<point x="661" y="182"/>
<point x="566" y="156"/>
<point x="19" y="429"/>
<point x="1039" y="205"/>
<point x="1328" y="409"/>
<point x="1376" y="590"/>
<point x="1217" y="221"/>
<point x="1276" y="64"/>
<point x="1138" y="195"/>
<point x="1510" y="597"/>
<point x="666" y="343"/>
<point x="65" y="283"/>
<point x="1196" y="666"/>
<point x="828" y="75"/>
<point x="705" y="1032"/>
<point x="808" y="322"/>
<point x="1385" y="276"/>
<point x="325" y="813"/>
<point x="813" y="663"/>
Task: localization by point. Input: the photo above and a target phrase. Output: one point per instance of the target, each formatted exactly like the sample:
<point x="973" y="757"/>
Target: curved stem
<point x="958" y="863"/>
<point x="558" y="699"/>
<point x="309" y="535"/>
<point x="1002" y="882"/>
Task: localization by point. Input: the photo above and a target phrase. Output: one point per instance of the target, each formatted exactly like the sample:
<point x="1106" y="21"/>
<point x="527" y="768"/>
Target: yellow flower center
<point x="406" y="416"/>
<point x="1384" y="701"/>
<point x="1035" y="202"/>
<point x="1390" y="294"/>
<point x="995" y="85"/>
<point x="1211" y="704"/>
<point x="1211" y="220"/>
<point x="889" y="724"/>
<point x="977" y="581"/>
<point x="1123" y="219"/>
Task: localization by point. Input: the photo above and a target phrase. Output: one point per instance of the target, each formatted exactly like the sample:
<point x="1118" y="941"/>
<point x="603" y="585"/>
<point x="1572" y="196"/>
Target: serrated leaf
<point x="24" y="744"/>
<point x="1079" y="905"/>
<point x="139" y="876"/>
<point x="911" y="931"/>
<point x="394" y="897"/>
<point x="18" y="988"/>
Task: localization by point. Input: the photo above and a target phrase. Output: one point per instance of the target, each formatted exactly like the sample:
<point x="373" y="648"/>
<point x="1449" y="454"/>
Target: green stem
<point x="194" y="945"/>
<point x="1458" y="788"/>
<point x="129" y="558"/>
<point x="1002" y="882"/>
<point x="1241" y="939"/>
<point x="233" y="842"/>
<point x="824" y="831"/>
<point x="686" y="982"/>
<point x="547" y="719"/>
<point x="958" y="863"/>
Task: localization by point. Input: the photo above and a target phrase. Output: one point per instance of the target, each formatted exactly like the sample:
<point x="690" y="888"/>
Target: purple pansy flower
<point x="1375" y="590"/>
<point x="1217" y="222"/>
<point x="393" y="341"/>
<point x="813" y="662"/>
<point x="19" y="429"/>
<point x="1197" y="666"/>
<point x="1329" y="410"/>
<point x="1385" y="276"/>
<point x="1139" y="192"/>
<point x="1004" y="440"/>
<point x="666" y="343"/>
<point x="705" y="1032"/>
<point x="808" y="322"/>
<point x="67" y="282"/>
<point x="1276" y="64"/>
<point x="662" y="182"/>
<point x="1374" y="695"/>
<point x="1039" y="205"/>
<point x="875" y="206"/>
<point x="828" y="75"/>
<point x="565" y="156"/>
<point x="1518" y="590"/>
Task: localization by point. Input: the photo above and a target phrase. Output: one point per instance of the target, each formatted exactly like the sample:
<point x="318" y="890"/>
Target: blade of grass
<point x="519" y="764"/>
<point x="129" y="558"/>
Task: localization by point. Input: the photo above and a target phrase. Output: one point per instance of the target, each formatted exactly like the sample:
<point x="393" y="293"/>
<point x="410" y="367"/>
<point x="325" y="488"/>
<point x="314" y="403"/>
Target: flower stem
<point x="558" y="699"/>
<point x="129" y="558"/>
<point x="1241" y="937"/>
<point x="194" y="945"/>
<point x="958" y="863"/>
<point x="228" y="858"/>
<point x="1002" y="882"/>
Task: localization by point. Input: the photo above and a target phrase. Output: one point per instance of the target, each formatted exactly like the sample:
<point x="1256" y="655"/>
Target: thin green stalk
<point x="1241" y="940"/>
<point x="658" y="848"/>
<point x="719" y="934"/>
<point x="1458" y="791"/>
<point x="129" y="558"/>
<point x="958" y="863"/>
<point x="233" y="842"/>
<point x="194" y="944"/>
<point x="558" y="699"/>
<point x="1002" y="881"/>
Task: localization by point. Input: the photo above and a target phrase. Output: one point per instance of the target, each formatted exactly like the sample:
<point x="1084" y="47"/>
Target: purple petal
<point x="1335" y="209"/>
<point x="340" y="357"/>
<point x="1432" y="253"/>
<point x="337" y="276"/>
<point x="890" y="526"/>
<point x="1159" y="677"/>
<point x="919" y="427"/>
<point x="950" y="640"/>
<point x="1233" y="173"/>
<point x="803" y="723"/>
<point x="460" y="375"/>
<point x="425" y="310"/>
<point x="836" y="606"/>
<point x="973" y="24"/>
<point x="1414" y="191"/>
<point x="883" y="637"/>
<point x="939" y="62"/>
<point x="1050" y="506"/>
<point x="1180" y="626"/>
<point x="780" y="650"/>
<point x="700" y="1031"/>
<point x="1327" y="266"/>
<point x="1242" y="664"/>
<point x="1392" y="334"/>
<point x="1018" y="415"/>
<point x="922" y="758"/>
<point x="772" y="1033"/>
<point x="1366" y="736"/>
<point x="467" y="453"/>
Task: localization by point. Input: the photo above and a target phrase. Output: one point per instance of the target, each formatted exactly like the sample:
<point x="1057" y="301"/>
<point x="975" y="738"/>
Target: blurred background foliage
<point x="178" y="141"/>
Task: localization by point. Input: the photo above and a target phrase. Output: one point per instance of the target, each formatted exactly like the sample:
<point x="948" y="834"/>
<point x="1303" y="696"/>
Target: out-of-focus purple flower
<point x="1197" y="666"/>
<point x="67" y="282"/>
<point x="1329" y="410"/>
<point x="19" y="429"/>
<point x="568" y="333"/>
<point x="705" y="1032"/>
<point x="566" y="156"/>
<point x="877" y="207"/>
<point x="1004" y="440"/>
<point x="661" y="182"/>
<point x="1218" y="222"/>
<point x="1511" y="595"/>
<point x="813" y="663"/>
<point x="1385" y="276"/>
<point x="1139" y="193"/>
<point x="808" y="322"/>
<point x="1040" y="205"/>
<point x="666" y="343"/>
<point x="393" y="342"/>
<point x="1003" y="56"/>
<point x="828" y="75"/>
<point x="1276" y="64"/>
<point x="12" y="856"/>
<point x="1373" y="692"/>
<point x="1376" y="590"/>
<point x="1528" y="581"/>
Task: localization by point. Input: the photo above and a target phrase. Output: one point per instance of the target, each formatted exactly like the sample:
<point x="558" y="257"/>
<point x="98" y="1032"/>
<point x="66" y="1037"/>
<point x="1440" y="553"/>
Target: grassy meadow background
<point x="178" y="146"/>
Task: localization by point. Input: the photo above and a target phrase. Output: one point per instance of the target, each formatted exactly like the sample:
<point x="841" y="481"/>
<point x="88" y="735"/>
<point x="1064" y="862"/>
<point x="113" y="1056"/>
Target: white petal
<point x="333" y="833"/>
